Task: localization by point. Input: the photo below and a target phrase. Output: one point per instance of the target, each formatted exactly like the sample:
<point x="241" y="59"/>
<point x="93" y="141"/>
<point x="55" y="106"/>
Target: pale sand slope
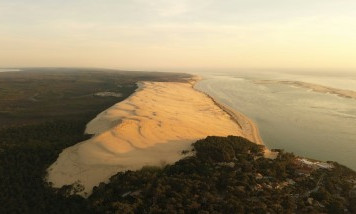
<point x="151" y="127"/>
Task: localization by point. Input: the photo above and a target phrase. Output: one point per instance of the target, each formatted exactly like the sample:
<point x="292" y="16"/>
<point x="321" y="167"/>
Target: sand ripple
<point x="151" y="127"/>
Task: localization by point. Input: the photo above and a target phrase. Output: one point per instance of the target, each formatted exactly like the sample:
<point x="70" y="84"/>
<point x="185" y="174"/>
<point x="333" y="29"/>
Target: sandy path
<point x="151" y="127"/>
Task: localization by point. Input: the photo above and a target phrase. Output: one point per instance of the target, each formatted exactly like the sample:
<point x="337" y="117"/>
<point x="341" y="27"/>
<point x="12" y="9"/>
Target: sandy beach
<point x="249" y="129"/>
<point x="151" y="127"/>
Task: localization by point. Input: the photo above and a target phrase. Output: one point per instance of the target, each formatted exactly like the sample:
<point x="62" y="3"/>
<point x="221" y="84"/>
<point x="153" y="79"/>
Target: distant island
<point x="47" y="163"/>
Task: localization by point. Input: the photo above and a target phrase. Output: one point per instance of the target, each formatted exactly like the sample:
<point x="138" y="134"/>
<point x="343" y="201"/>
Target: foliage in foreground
<point x="226" y="175"/>
<point x="25" y="154"/>
<point x="229" y="175"/>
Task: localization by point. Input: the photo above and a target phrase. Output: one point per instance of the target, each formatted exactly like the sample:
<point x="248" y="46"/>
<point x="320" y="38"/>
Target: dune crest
<point x="151" y="127"/>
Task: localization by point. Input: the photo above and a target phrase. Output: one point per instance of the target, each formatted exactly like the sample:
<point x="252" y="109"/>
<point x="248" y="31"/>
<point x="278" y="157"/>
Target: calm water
<point x="311" y="124"/>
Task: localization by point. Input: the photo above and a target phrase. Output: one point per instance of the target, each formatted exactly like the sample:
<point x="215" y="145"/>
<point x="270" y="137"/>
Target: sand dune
<point x="314" y="87"/>
<point x="151" y="127"/>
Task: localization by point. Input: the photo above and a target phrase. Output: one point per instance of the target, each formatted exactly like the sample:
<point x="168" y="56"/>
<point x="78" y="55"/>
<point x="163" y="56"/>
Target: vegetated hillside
<point x="230" y="175"/>
<point x="42" y="112"/>
<point x="25" y="154"/>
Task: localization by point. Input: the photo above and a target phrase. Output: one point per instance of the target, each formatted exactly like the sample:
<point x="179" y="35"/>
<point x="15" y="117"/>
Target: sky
<point x="180" y="34"/>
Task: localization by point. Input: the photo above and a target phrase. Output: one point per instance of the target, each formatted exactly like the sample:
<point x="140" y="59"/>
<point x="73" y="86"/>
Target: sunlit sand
<point x="152" y="127"/>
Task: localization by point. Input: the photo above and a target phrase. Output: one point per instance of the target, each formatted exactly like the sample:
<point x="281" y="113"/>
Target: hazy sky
<point x="164" y="34"/>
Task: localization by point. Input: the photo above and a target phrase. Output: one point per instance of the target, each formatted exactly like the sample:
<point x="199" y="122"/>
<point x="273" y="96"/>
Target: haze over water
<point x="312" y="124"/>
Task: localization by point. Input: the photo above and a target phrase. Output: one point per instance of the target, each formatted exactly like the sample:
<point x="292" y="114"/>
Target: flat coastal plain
<point x="151" y="127"/>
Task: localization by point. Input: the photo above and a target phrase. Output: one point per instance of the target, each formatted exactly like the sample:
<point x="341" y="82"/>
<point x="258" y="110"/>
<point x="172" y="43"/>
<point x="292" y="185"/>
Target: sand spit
<point x="151" y="127"/>
<point x="314" y="87"/>
<point x="248" y="128"/>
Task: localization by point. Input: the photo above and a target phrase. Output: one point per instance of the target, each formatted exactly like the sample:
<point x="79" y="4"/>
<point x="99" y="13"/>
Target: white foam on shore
<point x="151" y="127"/>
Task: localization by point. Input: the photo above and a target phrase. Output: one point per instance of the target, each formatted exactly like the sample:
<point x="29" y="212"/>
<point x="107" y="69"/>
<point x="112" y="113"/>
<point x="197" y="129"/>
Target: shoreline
<point x="237" y="117"/>
<point x="254" y="134"/>
<point x="152" y="126"/>
<point x="240" y="119"/>
<point x="248" y="126"/>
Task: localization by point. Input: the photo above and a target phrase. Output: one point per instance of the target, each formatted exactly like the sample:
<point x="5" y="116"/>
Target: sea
<point x="311" y="124"/>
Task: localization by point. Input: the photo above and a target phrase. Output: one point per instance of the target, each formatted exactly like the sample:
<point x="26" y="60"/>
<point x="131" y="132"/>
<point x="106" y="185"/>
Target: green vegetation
<point x="25" y="154"/>
<point x="228" y="175"/>
<point x="39" y="95"/>
<point x="43" y="111"/>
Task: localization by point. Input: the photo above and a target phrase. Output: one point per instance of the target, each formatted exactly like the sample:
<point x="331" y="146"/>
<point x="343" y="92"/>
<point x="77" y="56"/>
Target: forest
<point x="44" y="111"/>
<point x="229" y="175"/>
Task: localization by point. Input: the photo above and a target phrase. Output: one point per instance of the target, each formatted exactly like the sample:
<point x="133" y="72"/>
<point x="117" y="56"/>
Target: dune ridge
<point x="151" y="127"/>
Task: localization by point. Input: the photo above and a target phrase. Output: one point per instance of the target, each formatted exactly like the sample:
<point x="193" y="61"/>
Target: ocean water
<point x="311" y="124"/>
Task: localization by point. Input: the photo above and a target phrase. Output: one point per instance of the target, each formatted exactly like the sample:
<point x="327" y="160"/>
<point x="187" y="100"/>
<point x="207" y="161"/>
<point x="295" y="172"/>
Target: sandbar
<point x="314" y="87"/>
